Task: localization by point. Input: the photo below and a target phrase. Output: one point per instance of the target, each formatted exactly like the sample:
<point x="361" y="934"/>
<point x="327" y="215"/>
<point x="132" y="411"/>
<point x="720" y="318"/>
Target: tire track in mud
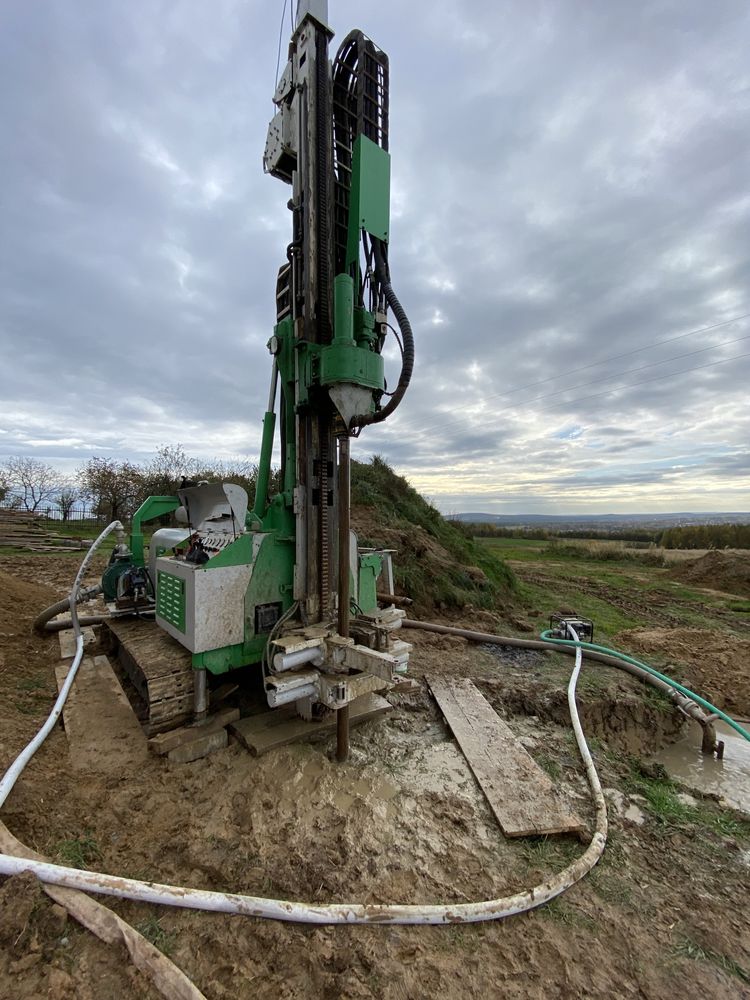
<point x="651" y="602"/>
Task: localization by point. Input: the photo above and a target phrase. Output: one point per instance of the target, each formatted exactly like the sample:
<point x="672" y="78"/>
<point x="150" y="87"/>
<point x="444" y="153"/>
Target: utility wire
<point x="596" y="395"/>
<point x="278" y="54"/>
<point x="611" y="357"/>
<point x="596" y="381"/>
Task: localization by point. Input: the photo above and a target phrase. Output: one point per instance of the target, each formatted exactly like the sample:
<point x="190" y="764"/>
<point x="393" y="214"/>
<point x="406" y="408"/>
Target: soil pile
<point x="712" y="664"/>
<point x="436" y="564"/>
<point x="726" y="571"/>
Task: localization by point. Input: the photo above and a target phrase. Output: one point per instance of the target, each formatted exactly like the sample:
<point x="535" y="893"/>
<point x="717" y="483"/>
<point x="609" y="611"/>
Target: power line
<point x="596" y="381"/>
<point x="278" y="54"/>
<point x="612" y="357"/>
<point x="605" y="392"/>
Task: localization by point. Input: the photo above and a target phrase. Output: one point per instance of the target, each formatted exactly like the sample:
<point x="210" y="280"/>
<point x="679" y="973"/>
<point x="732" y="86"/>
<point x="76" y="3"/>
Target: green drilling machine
<point x="282" y="585"/>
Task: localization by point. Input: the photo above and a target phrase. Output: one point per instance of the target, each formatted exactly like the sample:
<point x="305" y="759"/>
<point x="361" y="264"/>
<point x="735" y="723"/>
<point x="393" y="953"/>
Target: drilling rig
<point x="282" y="585"/>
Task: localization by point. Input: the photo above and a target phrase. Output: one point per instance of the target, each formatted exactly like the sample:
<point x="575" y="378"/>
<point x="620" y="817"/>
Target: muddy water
<point x="728" y="778"/>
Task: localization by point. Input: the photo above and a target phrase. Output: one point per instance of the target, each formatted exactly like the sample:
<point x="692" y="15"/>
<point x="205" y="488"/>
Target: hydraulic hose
<point x="43" y="622"/>
<point x="14" y="771"/>
<point x="382" y="273"/>
<point x="547" y="637"/>
<point x="276" y="909"/>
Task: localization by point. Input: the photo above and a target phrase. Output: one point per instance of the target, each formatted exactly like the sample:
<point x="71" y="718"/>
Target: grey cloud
<point x="566" y="189"/>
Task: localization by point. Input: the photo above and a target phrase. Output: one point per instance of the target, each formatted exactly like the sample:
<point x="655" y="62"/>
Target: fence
<point x="51" y="512"/>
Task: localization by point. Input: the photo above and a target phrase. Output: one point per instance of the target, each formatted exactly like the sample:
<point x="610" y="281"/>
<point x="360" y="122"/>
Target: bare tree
<point x="114" y="488"/>
<point x="163" y="474"/>
<point x="32" y="482"/>
<point x="4" y="484"/>
<point x="66" y="500"/>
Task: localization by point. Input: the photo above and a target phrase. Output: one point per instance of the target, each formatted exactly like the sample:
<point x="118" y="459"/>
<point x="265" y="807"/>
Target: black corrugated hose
<point x="382" y="273"/>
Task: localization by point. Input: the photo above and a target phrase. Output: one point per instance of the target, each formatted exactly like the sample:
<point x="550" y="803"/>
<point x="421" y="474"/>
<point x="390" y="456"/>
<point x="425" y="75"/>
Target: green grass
<point x="663" y="802"/>
<point x="77" y="852"/>
<point x="549" y="764"/>
<point x="564" y="913"/>
<point x="607" y="619"/>
<point x="519" y="549"/>
<point x="687" y="948"/>
<point x="453" y="585"/>
<point x="153" y="931"/>
<point x="549" y="851"/>
<point x="31" y="683"/>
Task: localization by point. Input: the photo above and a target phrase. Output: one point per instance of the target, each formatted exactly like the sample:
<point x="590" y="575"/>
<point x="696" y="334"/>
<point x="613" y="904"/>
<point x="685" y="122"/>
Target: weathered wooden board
<point x="68" y="640"/>
<point x="261" y="733"/>
<point x="520" y="793"/>
<point x="102" y="729"/>
<point x="166" y="742"/>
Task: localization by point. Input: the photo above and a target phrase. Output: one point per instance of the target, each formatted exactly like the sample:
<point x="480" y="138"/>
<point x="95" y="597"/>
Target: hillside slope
<point x="435" y="564"/>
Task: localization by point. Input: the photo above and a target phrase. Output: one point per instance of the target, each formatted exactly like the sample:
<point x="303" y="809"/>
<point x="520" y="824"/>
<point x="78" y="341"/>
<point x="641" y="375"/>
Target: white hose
<point x="329" y="913"/>
<point x="14" y="771"/>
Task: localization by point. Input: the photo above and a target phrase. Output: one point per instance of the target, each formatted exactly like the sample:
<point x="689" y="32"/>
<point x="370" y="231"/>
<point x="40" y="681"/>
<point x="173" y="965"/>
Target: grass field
<point x="617" y="587"/>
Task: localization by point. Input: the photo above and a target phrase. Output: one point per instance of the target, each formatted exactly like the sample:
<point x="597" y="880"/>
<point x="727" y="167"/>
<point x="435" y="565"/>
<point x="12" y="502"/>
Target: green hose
<point x="547" y="637"/>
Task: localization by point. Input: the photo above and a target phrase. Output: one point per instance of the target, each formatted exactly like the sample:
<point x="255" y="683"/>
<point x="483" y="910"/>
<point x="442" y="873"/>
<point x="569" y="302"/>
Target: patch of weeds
<point x="742" y="606"/>
<point x="687" y="948"/>
<point x="77" y="852"/>
<point x="560" y="911"/>
<point x="660" y="793"/>
<point x="541" y="851"/>
<point x="593" y="682"/>
<point x="657" y="701"/>
<point x="662" y="799"/>
<point x="723" y="822"/>
<point x="610" y="887"/>
<point x="549" y="764"/>
<point x="31" y="683"/>
<point x="614" y="852"/>
<point x="153" y="931"/>
<point x="468" y="937"/>
<point x="28" y="707"/>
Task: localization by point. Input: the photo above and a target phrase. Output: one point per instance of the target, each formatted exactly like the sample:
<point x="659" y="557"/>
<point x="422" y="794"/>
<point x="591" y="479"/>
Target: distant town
<point x="603" y="522"/>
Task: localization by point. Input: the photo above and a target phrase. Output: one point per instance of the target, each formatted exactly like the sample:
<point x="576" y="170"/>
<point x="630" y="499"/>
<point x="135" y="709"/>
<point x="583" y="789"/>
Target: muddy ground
<point x="662" y="915"/>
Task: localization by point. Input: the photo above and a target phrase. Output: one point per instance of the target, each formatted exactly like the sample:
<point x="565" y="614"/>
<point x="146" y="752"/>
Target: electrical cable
<point x="603" y="378"/>
<point x="611" y="357"/>
<point x="580" y="399"/>
<point x="278" y="54"/>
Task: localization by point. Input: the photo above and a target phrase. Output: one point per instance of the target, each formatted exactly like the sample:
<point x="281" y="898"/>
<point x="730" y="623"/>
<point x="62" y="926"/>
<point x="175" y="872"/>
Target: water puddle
<point x="729" y="778"/>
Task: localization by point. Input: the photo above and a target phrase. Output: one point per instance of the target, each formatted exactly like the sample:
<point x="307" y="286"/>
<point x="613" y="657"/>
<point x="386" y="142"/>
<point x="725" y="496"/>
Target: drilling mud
<point x="728" y="778"/>
<point x="403" y="821"/>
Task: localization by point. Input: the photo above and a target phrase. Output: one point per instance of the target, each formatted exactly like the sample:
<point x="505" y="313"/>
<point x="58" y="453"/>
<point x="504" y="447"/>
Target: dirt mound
<point x="726" y="571"/>
<point x="714" y="665"/>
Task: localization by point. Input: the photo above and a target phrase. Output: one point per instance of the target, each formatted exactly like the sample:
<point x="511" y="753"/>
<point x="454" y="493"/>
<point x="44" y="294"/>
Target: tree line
<point x="109" y="488"/>
<point x="690" y="536"/>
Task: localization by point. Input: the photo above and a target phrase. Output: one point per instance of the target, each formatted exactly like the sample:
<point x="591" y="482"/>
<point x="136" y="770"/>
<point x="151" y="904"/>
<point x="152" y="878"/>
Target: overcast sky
<point x="571" y="201"/>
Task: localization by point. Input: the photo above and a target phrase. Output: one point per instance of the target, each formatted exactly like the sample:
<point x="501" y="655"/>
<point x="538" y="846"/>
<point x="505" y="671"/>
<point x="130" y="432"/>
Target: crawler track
<point x="159" y="670"/>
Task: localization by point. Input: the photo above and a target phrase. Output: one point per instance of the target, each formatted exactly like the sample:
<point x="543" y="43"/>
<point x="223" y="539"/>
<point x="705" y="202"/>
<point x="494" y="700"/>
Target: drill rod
<point x="342" y="714"/>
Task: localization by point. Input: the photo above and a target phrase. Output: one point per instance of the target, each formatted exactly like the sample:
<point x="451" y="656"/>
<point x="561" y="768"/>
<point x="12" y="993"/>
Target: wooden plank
<point x="165" y="742"/>
<point x="103" y="732"/>
<point x="261" y="733"/>
<point x="68" y="640"/>
<point x="521" y="795"/>
<point x="202" y="747"/>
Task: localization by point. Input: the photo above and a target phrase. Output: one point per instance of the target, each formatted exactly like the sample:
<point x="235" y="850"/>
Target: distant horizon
<point x="573" y="515"/>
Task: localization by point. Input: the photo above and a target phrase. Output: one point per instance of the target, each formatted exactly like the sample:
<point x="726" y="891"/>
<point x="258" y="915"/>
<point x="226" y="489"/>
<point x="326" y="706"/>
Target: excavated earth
<point x="662" y="915"/>
<point x="728" y="572"/>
